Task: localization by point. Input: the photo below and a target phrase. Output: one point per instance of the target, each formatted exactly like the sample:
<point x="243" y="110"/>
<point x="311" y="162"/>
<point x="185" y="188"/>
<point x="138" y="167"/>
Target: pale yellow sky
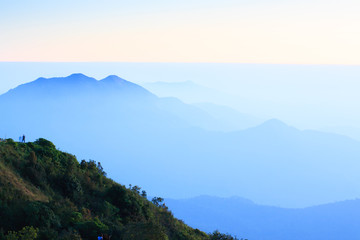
<point x="276" y="31"/>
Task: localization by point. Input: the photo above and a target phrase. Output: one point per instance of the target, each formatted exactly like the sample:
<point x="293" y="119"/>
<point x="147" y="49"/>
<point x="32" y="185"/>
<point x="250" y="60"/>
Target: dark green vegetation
<point x="48" y="194"/>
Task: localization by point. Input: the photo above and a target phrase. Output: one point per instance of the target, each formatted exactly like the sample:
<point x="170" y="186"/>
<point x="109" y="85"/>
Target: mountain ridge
<point x="327" y="221"/>
<point x="72" y="84"/>
<point x="264" y="164"/>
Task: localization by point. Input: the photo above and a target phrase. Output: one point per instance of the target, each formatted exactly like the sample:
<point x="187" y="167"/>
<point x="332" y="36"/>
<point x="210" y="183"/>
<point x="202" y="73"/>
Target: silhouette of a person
<point x="23" y="138"/>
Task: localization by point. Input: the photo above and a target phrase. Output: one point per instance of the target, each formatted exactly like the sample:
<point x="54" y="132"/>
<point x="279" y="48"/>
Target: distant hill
<point x="187" y="91"/>
<point x="191" y="92"/>
<point x="163" y="145"/>
<point x="242" y="217"/>
<point x="232" y="120"/>
<point x="48" y="194"/>
<point x="349" y="131"/>
<point x="212" y="101"/>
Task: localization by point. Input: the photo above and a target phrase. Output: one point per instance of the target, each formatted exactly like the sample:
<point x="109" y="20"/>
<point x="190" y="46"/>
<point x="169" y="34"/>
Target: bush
<point x="26" y="233"/>
<point x="45" y="143"/>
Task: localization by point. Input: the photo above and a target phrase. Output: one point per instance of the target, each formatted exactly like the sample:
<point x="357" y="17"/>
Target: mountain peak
<point x="112" y="78"/>
<point x="77" y="80"/>
<point x="114" y="81"/>
<point x="77" y="75"/>
<point x="73" y="77"/>
<point x="274" y="123"/>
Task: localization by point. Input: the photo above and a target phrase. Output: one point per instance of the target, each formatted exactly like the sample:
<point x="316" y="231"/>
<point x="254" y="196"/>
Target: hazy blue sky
<point x="258" y="31"/>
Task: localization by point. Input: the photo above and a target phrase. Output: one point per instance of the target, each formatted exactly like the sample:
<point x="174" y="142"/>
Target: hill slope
<point x="45" y="189"/>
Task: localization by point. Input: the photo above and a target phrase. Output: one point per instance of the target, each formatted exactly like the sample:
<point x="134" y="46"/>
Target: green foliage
<point x="91" y="228"/>
<point x="158" y="201"/>
<point x="149" y="231"/>
<point x="26" y="233"/>
<point x="216" y="235"/>
<point x="45" y="143"/>
<point x="48" y="194"/>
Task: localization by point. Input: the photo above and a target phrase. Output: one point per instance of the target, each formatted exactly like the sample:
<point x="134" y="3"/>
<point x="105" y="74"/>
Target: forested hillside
<point x="48" y="194"/>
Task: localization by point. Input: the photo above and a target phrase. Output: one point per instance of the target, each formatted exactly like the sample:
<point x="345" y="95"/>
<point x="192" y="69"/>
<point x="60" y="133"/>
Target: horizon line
<point x="174" y="62"/>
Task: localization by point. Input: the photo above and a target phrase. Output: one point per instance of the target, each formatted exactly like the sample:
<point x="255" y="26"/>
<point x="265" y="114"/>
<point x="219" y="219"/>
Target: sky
<point x="236" y="31"/>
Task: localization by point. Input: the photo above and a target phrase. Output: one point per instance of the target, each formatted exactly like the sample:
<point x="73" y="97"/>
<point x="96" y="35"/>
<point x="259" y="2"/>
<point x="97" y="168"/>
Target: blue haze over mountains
<point x="168" y="148"/>
<point x="243" y="218"/>
<point x="322" y="97"/>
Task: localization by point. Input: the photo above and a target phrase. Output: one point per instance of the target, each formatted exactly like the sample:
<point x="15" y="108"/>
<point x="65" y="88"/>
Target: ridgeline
<point x="48" y="194"/>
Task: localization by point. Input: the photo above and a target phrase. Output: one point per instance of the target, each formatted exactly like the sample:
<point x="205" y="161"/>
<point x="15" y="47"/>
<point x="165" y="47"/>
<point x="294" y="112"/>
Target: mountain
<point x="110" y="92"/>
<point x="205" y="118"/>
<point x="211" y="101"/>
<point x="231" y="119"/>
<point x="48" y="194"/>
<point x="240" y="217"/>
<point x="161" y="144"/>
<point x="187" y="91"/>
<point x="75" y="87"/>
<point x="190" y="92"/>
<point x="349" y="131"/>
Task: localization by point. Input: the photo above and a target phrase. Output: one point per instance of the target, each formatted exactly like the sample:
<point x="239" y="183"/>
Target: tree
<point x="157" y="201"/>
<point x="216" y="235"/>
<point x="26" y="233"/>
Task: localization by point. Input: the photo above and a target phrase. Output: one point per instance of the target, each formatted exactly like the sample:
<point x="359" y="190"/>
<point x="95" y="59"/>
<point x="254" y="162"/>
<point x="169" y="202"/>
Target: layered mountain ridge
<point x="167" y="146"/>
<point x="239" y="216"/>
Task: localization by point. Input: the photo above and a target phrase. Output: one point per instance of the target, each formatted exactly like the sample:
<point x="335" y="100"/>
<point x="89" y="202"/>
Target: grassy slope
<point x="23" y="188"/>
<point x="50" y="190"/>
